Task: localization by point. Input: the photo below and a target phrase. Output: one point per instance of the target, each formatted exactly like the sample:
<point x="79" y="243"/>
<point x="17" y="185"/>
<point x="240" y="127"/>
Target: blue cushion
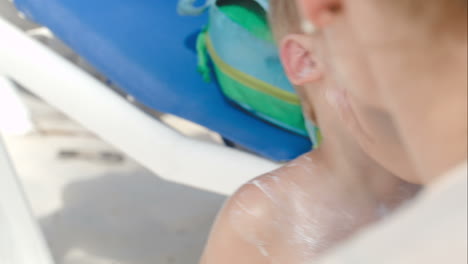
<point x="147" y="49"/>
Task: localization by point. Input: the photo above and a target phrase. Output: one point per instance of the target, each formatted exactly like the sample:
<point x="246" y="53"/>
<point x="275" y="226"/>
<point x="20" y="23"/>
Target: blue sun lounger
<point x="148" y="50"/>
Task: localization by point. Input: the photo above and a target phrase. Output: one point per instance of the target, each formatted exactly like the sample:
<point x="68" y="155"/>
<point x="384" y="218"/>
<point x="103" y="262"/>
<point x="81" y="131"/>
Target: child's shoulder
<point x="270" y="191"/>
<point x="276" y="194"/>
<point x="263" y="213"/>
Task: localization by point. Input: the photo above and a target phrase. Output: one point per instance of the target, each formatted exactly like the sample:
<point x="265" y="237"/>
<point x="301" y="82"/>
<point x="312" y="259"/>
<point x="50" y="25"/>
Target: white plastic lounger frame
<point x="157" y="147"/>
<point x="20" y="239"/>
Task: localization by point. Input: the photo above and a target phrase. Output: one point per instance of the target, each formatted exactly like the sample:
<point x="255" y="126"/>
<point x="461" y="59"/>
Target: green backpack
<point x="239" y="43"/>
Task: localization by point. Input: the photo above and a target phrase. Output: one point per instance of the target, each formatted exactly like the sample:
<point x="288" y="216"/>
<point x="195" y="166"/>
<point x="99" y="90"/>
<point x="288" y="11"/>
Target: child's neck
<point x="346" y="160"/>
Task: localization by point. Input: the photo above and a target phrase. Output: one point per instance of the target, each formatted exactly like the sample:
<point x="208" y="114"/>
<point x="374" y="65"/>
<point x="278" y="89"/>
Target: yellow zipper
<point x="248" y="80"/>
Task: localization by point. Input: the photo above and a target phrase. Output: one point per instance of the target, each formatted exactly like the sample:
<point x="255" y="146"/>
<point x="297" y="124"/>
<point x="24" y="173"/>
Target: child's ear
<point x="299" y="62"/>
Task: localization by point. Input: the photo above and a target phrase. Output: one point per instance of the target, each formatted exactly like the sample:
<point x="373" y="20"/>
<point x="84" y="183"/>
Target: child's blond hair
<point x="284" y="18"/>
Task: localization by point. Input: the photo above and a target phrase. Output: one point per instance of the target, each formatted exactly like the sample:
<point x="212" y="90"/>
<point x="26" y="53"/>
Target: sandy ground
<point x="100" y="207"/>
<point x="105" y="210"/>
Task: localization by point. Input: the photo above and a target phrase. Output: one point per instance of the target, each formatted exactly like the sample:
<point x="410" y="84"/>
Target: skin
<point x="296" y="213"/>
<point x="409" y="69"/>
<point x="389" y="69"/>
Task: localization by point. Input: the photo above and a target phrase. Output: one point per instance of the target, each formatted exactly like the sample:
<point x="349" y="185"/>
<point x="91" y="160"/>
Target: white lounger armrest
<point x="157" y="147"/>
<point x="20" y="239"/>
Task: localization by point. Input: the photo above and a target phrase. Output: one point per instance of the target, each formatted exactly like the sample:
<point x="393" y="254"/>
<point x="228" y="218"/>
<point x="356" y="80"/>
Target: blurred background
<point x="94" y="204"/>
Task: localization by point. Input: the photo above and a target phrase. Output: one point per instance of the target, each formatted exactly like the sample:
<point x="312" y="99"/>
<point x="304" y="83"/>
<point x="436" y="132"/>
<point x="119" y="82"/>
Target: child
<point x="294" y="214"/>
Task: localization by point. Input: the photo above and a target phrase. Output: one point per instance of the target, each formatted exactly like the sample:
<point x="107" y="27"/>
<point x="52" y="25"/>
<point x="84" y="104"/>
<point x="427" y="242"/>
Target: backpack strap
<point x="188" y="8"/>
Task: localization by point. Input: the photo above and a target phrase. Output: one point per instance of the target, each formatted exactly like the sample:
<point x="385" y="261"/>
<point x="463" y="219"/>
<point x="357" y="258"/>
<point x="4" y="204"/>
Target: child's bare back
<point x="297" y="212"/>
